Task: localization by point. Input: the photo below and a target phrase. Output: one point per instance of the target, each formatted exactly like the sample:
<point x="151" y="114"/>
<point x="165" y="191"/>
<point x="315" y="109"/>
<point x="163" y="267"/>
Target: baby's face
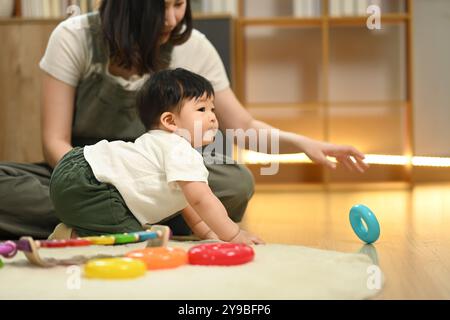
<point x="197" y="121"/>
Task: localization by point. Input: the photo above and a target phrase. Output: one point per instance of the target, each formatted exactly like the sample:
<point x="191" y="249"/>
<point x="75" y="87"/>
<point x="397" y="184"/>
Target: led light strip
<point x="431" y="162"/>
<point x="251" y="157"/>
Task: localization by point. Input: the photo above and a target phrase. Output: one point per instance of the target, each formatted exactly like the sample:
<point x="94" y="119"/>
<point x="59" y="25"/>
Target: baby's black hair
<point x="166" y="91"/>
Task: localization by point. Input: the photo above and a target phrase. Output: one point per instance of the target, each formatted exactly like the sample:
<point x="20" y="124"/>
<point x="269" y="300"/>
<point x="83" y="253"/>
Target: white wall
<point x="432" y="77"/>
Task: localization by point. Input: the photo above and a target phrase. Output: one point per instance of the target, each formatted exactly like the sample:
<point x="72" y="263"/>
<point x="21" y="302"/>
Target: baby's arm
<point x="197" y="225"/>
<point x="213" y="213"/>
<point x="209" y="209"/>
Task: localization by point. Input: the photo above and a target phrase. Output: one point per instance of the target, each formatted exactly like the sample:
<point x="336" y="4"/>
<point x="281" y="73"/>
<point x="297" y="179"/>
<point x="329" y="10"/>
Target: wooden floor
<point x="414" y="247"/>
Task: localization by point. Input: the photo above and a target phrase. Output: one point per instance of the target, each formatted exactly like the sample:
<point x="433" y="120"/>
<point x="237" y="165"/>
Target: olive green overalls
<point x="103" y="110"/>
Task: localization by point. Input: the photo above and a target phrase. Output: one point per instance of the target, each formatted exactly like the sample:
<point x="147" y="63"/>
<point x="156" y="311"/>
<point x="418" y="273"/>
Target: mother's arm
<point x="58" y="101"/>
<point x="232" y="115"/>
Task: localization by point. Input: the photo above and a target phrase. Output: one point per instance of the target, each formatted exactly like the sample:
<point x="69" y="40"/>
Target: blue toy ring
<point x="372" y="232"/>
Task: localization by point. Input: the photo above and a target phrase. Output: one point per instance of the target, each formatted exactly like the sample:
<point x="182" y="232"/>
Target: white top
<point x="68" y="57"/>
<point x="145" y="172"/>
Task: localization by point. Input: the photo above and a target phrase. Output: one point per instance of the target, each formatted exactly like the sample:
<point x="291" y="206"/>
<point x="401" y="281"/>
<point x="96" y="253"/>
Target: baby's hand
<point x="210" y="236"/>
<point x="247" y="238"/>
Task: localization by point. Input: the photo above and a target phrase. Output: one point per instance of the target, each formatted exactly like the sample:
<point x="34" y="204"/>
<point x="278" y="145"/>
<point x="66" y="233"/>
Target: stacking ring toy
<point x="114" y="268"/>
<point x="221" y="254"/>
<point x="359" y="213"/>
<point x="160" y="258"/>
<point x="157" y="236"/>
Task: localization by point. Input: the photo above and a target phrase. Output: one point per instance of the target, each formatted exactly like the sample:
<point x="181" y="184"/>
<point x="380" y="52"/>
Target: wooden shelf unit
<point x="326" y="25"/>
<point x="317" y="21"/>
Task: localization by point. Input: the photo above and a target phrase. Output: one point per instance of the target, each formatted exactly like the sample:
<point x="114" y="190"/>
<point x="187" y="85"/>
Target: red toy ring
<point x="220" y="254"/>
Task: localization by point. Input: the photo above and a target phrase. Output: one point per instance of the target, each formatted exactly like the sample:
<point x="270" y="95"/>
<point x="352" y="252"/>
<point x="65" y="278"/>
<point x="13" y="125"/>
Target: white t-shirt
<point x="145" y="172"/>
<point x="69" y="53"/>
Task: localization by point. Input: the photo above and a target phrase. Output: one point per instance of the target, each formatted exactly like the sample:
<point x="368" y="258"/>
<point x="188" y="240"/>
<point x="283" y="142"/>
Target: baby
<point x="117" y="187"/>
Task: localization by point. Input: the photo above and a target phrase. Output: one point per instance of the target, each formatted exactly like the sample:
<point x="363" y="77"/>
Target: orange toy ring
<point x="160" y="257"/>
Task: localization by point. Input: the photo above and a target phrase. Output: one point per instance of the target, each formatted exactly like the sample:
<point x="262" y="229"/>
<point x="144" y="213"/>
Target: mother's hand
<point x="318" y="151"/>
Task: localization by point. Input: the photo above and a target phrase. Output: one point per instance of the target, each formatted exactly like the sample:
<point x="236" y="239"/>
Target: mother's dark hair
<point x="133" y="28"/>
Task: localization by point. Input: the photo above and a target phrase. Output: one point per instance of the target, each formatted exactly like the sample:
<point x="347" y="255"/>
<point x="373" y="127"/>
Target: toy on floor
<point x="114" y="268"/>
<point x="160" y="258"/>
<point x="368" y="234"/>
<point x="136" y="262"/>
<point x="221" y="254"/>
<point x="157" y="236"/>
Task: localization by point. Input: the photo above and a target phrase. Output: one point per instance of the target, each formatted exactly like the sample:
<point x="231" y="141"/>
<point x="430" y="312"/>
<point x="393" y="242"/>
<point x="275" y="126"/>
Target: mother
<point x="92" y="68"/>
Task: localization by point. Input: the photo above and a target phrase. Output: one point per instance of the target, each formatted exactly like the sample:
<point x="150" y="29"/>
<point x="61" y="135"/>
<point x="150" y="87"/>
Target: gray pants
<point x="26" y="208"/>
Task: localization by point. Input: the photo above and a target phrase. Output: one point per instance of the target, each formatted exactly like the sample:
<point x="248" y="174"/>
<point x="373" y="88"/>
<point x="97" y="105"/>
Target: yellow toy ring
<point x="114" y="268"/>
